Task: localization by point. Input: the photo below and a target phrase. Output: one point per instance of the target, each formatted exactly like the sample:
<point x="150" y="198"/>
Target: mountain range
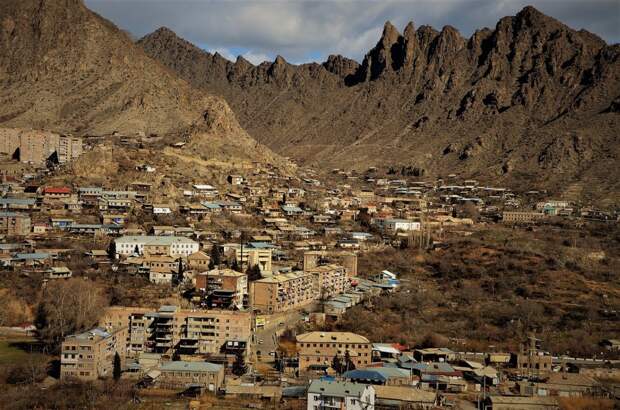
<point x="530" y="103"/>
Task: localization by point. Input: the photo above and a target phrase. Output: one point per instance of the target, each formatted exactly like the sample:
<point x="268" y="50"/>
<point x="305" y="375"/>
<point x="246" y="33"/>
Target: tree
<point x="239" y="368"/>
<point x="112" y="250"/>
<point x="216" y="257"/>
<point x="348" y="363"/>
<point x="337" y="364"/>
<point x="67" y="307"/>
<point x="116" y="372"/>
<point x="253" y="273"/>
<point x="235" y="265"/>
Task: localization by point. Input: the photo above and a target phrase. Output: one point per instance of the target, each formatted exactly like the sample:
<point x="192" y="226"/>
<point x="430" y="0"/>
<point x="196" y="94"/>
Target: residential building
<point x="155" y="245"/>
<point x="316" y="350"/>
<point x="394" y="225"/>
<point x="183" y="374"/>
<point x="324" y="394"/>
<point x="198" y="261"/>
<point x="223" y="287"/>
<point x="253" y="254"/>
<point x="90" y="355"/>
<point x="522" y="217"/>
<point x="329" y="280"/>
<point x="279" y="293"/>
<point x="171" y="330"/>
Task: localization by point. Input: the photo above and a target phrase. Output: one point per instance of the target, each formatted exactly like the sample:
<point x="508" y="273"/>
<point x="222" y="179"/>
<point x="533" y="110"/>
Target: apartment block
<point x="90" y="355"/>
<point x="171" y="330"/>
<point x="316" y="350"/>
<point x="36" y="147"/>
<point x="280" y="293"/>
<point x="522" y="217"/>
<point x="255" y="253"/>
<point x="223" y="287"/>
<point x="329" y="280"/>
<point x="14" y="224"/>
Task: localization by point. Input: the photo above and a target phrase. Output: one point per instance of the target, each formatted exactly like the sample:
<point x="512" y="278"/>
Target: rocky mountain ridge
<point x="531" y="102"/>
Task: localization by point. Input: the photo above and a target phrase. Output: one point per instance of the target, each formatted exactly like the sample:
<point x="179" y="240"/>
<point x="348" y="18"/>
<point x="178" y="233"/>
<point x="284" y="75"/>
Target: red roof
<point x="57" y="190"/>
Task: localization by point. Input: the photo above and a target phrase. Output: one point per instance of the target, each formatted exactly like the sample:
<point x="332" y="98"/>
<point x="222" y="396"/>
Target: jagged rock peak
<point x="409" y="32"/>
<point x="390" y="34"/>
<point x="280" y="60"/>
<point x="341" y="66"/>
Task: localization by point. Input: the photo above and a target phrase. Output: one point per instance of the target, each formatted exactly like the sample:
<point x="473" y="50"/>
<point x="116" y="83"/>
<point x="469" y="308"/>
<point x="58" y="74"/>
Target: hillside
<point x="530" y="103"/>
<point x="67" y="69"/>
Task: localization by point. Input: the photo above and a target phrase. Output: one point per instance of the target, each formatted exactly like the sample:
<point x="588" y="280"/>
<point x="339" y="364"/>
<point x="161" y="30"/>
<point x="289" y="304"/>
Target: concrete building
<point x="522" y="217"/>
<point x="90" y="355"/>
<point x="394" y="225"/>
<point x="254" y="253"/>
<point x="223" y="287"/>
<point x="329" y="280"/>
<point x="155" y="245"/>
<point x="36" y="146"/>
<point x="340" y="395"/>
<point x="316" y="350"/>
<point x="182" y="375"/>
<point x="14" y="224"/>
<point x="283" y="292"/>
<point x="171" y="330"/>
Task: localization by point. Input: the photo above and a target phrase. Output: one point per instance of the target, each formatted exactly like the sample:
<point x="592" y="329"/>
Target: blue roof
<point x="32" y="256"/>
<point x="370" y="375"/>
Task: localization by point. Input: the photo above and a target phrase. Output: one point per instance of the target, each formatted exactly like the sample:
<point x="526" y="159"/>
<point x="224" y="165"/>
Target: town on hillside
<point x="264" y="288"/>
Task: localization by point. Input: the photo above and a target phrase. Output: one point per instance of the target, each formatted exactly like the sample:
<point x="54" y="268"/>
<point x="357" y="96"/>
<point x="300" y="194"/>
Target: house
<point x="162" y="209"/>
<point x="324" y="394"/>
<point x="223" y="288"/>
<point x="388" y="376"/>
<point x="53" y="193"/>
<point x="292" y="210"/>
<point x="522" y="217"/>
<point x="401" y="397"/>
<point x="204" y="190"/>
<point x="198" y="260"/>
<point x="394" y="225"/>
<point x="235" y="179"/>
<point x="182" y="375"/>
<point x="58" y="272"/>
<point x="434" y="354"/>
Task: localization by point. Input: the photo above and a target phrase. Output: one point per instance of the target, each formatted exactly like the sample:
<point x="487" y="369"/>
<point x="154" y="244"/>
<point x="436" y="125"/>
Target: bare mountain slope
<point x="65" y="68"/>
<point x="531" y="102"/>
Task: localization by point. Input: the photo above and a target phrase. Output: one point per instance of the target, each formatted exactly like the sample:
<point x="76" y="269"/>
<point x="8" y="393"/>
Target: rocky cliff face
<point x="65" y="68"/>
<point x="498" y="105"/>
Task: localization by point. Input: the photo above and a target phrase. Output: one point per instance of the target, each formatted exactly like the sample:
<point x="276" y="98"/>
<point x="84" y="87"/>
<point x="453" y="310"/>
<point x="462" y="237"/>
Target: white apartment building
<point x="165" y="245"/>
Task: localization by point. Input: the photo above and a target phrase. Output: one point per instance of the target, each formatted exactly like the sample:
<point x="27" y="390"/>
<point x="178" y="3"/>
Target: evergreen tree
<point x="337" y="364"/>
<point x="239" y="368"/>
<point x="235" y="265"/>
<point x="116" y="372"/>
<point x="348" y="363"/>
<point x="253" y="273"/>
<point x="216" y="257"/>
<point x="112" y="250"/>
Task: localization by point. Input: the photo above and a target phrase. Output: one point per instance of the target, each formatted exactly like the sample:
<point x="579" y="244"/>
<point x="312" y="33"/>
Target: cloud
<point x="303" y="30"/>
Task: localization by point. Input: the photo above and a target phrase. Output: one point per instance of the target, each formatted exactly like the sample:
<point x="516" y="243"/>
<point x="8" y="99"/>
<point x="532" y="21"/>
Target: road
<point x="272" y="329"/>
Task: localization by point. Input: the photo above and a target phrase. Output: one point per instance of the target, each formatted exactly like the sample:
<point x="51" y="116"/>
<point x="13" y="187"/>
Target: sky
<point x="310" y="30"/>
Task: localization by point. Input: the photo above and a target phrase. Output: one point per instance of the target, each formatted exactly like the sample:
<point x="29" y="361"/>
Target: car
<point x="261" y="341"/>
<point x="272" y="353"/>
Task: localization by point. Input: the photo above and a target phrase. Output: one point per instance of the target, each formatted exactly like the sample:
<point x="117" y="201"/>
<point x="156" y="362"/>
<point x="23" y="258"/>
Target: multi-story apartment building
<point x="253" y="254"/>
<point x="283" y="292"/>
<point x="316" y="350"/>
<point x="14" y="224"/>
<point x="171" y="330"/>
<point x="36" y="147"/>
<point x="155" y="245"/>
<point x="90" y="355"/>
<point x="329" y="280"/>
<point x="522" y="217"/>
<point x="223" y="287"/>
